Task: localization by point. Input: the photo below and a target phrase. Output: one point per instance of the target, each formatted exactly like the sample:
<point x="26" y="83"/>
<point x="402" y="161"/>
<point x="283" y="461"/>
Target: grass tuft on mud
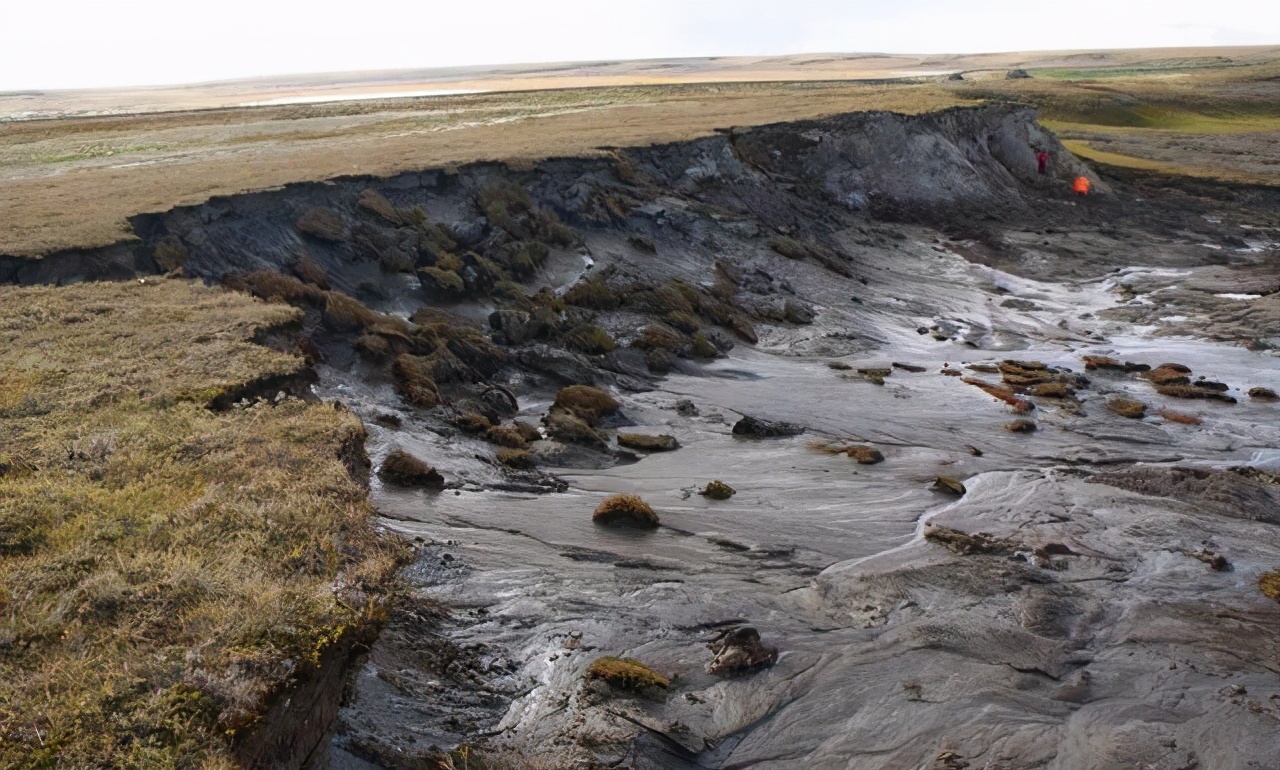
<point x="626" y="674"/>
<point x="625" y="510"/>
<point x="169" y="569"/>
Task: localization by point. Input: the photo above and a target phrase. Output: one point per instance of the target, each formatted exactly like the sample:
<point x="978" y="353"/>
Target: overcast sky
<point x="65" y="44"/>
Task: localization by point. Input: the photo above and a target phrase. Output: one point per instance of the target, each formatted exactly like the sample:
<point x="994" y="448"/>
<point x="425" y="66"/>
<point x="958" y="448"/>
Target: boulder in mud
<point x="1193" y="392"/>
<point x="626" y="674"/>
<point x="865" y="455"/>
<point x="403" y="469"/>
<point x="1020" y="426"/>
<point x="625" y="510"/>
<point x="647" y="443"/>
<point x="718" y="490"/>
<point x="948" y="485"/>
<point x="739" y="651"/>
<point x="1262" y="394"/>
<point x="564" y="425"/>
<point x="756" y="428"/>
<point x="1108" y="363"/>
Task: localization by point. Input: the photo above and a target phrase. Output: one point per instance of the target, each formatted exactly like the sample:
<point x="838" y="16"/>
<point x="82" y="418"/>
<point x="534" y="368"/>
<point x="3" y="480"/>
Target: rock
<point x="738" y="651"/>
<point x="686" y="408"/>
<point x="964" y="543"/>
<point x="404" y="469"/>
<point x="797" y="312"/>
<point x="1106" y="362"/>
<point x="625" y="511"/>
<point x="718" y="490"/>
<point x="1017" y="74"/>
<point x="1216" y="561"/>
<point x="648" y="443"/>
<point x="513" y="327"/>
<point x="1020" y="426"/>
<point x="564" y="425"/>
<point x="948" y="485"/>
<point x="1262" y="394"/>
<point x="908" y="367"/>
<point x="839" y="366"/>
<point x="750" y="426"/>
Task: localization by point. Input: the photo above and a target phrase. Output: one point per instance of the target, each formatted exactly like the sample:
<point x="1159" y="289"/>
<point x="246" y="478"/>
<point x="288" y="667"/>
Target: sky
<point x="58" y="44"/>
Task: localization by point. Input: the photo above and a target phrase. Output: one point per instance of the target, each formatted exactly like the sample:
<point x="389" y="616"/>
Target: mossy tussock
<point x="717" y="490"/>
<point x="626" y="674"/>
<point x="648" y="443"/>
<point x="403" y="469"/>
<point x="625" y="510"/>
<point x="204" y="559"/>
<point x="1127" y="407"/>
<point x="322" y="223"/>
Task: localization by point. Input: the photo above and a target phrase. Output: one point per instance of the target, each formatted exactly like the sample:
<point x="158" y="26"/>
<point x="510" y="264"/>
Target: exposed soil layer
<point x="1052" y="598"/>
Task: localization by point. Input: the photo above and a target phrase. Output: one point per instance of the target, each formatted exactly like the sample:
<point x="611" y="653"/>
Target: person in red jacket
<point x="1042" y="160"/>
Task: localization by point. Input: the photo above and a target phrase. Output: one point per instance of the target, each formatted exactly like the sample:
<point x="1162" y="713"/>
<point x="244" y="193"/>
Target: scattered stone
<point x="907" y="367"/>
<point x="1216" y="561"/>
<point x="1168" y="374"/>
<point x="738" y="651"/>
<point x="973" y="450"/>
<point x="1020" y="426"/>
<point x="718" y="490"/>
<point x="947" y="372"/>
<point x="626" y="674"/>
<point x="964" y="543"/>
<point x="388" y="420"/>
<point x="839" y="366"/>
<point x="686" y="408"/>
<point x="1127" y="407"/>
<point x="750" y="426"/>
<point x="625" y="510"/>
<point x="405" y="470"/>
<point x="1219" y="387"/>
<point x="1262" y="394"/>
<point x="948" y="485"/>
<point x="1179" y="417"/>
<point x="647" y="443"/>
<point x="1191" y="391"/>
<point x="949" y="760"/>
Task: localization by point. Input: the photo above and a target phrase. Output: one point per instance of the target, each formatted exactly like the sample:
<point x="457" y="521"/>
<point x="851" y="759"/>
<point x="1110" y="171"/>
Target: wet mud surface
<point x="1037" y="572"/>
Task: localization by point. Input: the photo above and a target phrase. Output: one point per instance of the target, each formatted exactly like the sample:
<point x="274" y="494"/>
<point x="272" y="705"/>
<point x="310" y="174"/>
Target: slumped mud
<point x="1078" y="591"/>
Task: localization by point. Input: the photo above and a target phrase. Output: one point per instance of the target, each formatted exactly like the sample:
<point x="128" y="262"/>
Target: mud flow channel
<point x="1003" y="457"/>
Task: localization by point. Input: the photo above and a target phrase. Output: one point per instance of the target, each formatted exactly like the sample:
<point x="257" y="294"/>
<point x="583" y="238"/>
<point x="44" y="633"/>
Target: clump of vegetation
<point x="310" y="271"/>
<point x="1020" y="405"/>
<point x="625" y="510"/>
<point x="659" y="336"/>
<point x="626" y="674"/>
<point x="505" y="435"/>
<point x="169" y="253"/>
<point x="1269" y="584"/>
<point x="564" y="425"/>
<point x="168" y="569"/>
<point x="1127" y="407"/>
<point x="1168" y="375"/>
<point x="404" y="469"/>
<point x="683" y="321"/>
<point x="586" y="401"/>
<point x="270" y="285"/>
<point x="718" y="490"/>
<point x="1193" y="392"/>
<point x="949" y="485"/>
<point x="590" y="339"/>
<point x="346" y="313"/>
<point x="322" y="223"/>
<point x="1020" y="426"/>
<point x="1106" y="362"/>
<point x="647" y="443"/>
<point x="592" y="293"/>
<point x="1262" y="394"/>
<point x="963" y="543"/>
<point x="517" y="459"/>
<point x="375" y="203"/>
<point x="528" y="431"/>
<point x="414" y="381"/>
<point x="473" y="422"/>
<point x="1179" y="417"/>
<point x="447" y="282"/>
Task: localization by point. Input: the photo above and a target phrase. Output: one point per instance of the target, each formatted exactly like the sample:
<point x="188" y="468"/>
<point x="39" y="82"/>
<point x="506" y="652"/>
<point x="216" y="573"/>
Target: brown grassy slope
<point x="58" y="188"/>
<point x="166" y="568"/>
